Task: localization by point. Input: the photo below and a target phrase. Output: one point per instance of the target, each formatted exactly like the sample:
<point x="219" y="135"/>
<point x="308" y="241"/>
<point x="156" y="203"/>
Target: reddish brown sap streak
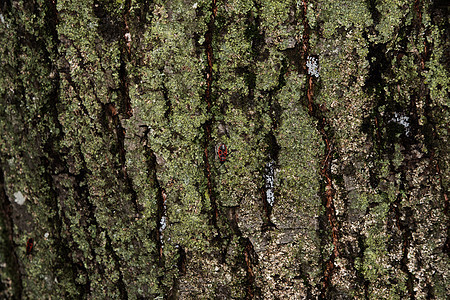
<point x="29" y="246"/>
<point x="326" y="162"/>
<point x="250" y="274"/>
<point x="310" y="94"/>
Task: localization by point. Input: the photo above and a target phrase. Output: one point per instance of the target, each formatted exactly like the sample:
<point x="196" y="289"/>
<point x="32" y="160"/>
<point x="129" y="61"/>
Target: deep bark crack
<point x="406" y="236"/>
<point x="327" y="184"/>
<point x="207" y="125"/>
<point x="120" y="136"/>
<point x="125" y="53"/>
<point x="249" y="254"/>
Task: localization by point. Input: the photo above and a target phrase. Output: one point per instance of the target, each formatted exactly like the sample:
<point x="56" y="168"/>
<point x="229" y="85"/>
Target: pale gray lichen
<point x="19" y="198"/>
<point x="269" y="176"/>
<point x="402" y="120"/>
<point x="313" y="66"/>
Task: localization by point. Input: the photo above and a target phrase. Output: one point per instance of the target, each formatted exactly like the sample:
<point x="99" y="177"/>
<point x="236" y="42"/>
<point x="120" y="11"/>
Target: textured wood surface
<point x="334" y="113"/>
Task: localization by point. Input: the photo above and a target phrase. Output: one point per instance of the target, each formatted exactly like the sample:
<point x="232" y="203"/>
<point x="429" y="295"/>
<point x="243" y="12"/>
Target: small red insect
<point x="222" y="152"/>
<point x="29" y="248"/>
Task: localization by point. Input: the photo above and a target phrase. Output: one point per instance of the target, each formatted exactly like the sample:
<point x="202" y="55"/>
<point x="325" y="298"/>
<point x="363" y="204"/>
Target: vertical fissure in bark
<point x="120" y="132"/>
<point x="248" y="251"/>
<point x="165" y="93"/>
<point x="256" y="39"/>
<point x="12" y="267"/>
<point x="207" y="126"/>
<point x="113" y="114"/>
<point x="330" y="209"/>
<point x="250" y="260"/>
<point x="123" y="293"/>
<point x="57" y="165"/>
<point x="161" y="209"/>
<point x="81" y="190"/>
<point x="124" y="88"/>
<point x="181" y="263"/>
<point x="327" y="184"/>
<point x="161" y="215"/>
<point x="84" y="196"/>
<point x="268" y="191"/>
<point x="125" y="54"/>
<point x="403" y="222"/>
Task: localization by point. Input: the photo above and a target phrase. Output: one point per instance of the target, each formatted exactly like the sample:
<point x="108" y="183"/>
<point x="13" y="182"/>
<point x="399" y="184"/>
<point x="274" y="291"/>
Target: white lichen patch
<point x="269" y="176"/>
<point x="313" y="66"/>
<point x="163" y="224"/>
<point x="2" y="20"/>
<point x="19" y="198"/>
<point x="402" y="120"/>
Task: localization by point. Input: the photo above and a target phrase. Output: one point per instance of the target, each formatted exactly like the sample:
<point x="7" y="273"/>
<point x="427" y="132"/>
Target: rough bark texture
<point x="335" y="114"/>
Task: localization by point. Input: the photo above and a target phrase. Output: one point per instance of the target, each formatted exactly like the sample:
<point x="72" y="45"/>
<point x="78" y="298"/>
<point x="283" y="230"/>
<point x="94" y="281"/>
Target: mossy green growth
<point x="299" y="142"/>
<point x="350" y="16"/>
<point x="278" y="31"/>
<point x="437" y="77"/>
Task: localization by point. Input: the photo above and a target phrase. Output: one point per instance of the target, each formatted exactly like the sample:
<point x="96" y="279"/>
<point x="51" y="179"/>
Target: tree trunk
<point x="332" y="182"/>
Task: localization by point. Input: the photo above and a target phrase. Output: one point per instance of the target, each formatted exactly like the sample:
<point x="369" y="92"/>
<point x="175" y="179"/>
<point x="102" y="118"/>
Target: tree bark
<point x="335" y="118"/>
